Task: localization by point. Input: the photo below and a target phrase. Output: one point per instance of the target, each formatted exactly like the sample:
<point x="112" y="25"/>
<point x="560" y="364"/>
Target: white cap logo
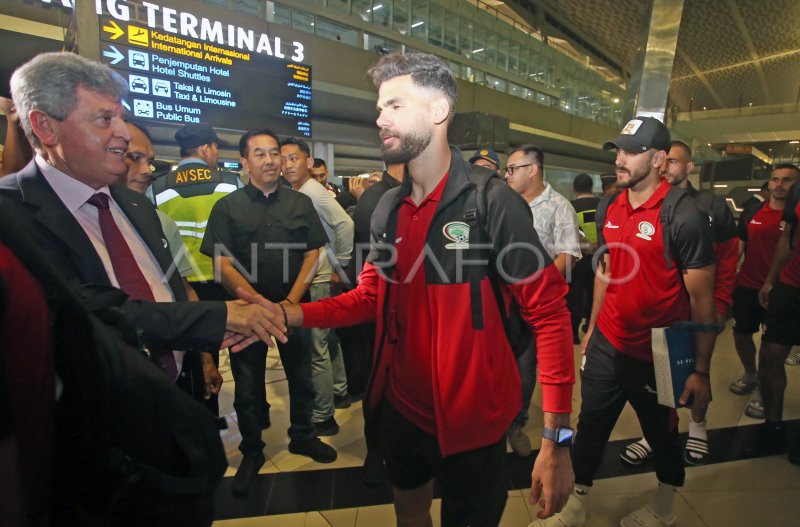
<point x="632" y="127"/>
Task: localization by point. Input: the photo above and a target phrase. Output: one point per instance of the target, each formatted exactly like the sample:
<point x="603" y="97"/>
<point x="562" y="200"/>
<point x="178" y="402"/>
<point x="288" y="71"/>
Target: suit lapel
<point x="50" y="212"/>
<point x="145" y="221"/>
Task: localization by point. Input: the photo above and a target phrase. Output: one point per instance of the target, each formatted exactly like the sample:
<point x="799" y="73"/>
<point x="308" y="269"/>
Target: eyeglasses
<point x="511" y="169"/>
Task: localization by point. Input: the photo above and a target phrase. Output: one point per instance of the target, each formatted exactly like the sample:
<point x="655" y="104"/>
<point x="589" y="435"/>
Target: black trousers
<point x="609" y="380"/>
<point x="581" y="292"/>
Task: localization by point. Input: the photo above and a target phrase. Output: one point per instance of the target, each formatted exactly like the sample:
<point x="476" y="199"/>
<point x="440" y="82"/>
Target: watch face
<point x="565" y="436"/>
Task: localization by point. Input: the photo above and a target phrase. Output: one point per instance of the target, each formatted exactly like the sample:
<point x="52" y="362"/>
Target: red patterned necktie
<point x="129" y="275"/>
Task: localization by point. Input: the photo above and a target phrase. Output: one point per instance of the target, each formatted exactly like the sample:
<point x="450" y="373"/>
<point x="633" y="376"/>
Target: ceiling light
<point x="616" y="100"/>
<point x="379" y="6"/>
<point x="417" y="24"/>
<point x="477" y="50"/>
<point x="720" y="186"/>
<point x="794" y="142"/>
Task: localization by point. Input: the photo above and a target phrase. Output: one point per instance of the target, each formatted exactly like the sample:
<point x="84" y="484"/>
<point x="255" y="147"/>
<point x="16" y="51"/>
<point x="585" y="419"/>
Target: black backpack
<point x="132" y="448"/>
<point x="518" y="332"/>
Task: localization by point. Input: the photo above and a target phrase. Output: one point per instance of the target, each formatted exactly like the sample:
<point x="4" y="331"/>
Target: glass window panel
<point x="495" y="83"/>
<point x="491" y="48"/>
<point x="419" y="19"/>
<point x="380" y="45"/>
<point x="455" y="69"/>
<point x="382" y="12"/>
<point x="402" y="16"/>
<point x="302" y="20"/>
<point x="341" y="6"/>
<point x="278" y="14"/>
<point x="478" y="51"/>
<point x="451" y="33"/>
<point x="334" y="31"/>
<point x="436" y="29"/>
<point x="513" y="58"/>
<point x="218" y="3"/>
<point x="516" y="90"/>
<point x="361" y="9"/>
<point x="247" y="6"/>
<point x="465" y="36"/>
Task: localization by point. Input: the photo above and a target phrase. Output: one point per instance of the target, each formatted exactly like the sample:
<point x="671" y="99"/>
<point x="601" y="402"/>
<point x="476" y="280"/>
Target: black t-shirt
<point x="587" y="203"/>
<point x="276" y="231"/>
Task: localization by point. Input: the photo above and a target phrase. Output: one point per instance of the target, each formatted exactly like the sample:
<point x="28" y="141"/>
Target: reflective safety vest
<point x="187" y="195"/>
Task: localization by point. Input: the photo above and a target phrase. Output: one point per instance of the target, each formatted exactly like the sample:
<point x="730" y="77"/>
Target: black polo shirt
<point x="254" y="229"/>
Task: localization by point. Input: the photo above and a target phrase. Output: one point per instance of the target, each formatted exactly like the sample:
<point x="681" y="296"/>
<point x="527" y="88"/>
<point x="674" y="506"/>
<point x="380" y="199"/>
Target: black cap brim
<point x="626" y="143"/>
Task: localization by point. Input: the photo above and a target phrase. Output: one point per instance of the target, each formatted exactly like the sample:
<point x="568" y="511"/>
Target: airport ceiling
<point x="730" y="53"/>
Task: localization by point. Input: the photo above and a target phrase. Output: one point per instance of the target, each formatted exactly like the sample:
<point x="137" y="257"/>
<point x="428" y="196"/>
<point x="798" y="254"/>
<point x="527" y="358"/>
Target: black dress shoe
<point x="341" y="401"/>
<point x="770" y="439"/>
<point x="247" y="473"/>
<point x="374" y="469"/>
<point x="313" y="448"/>
<point x="328" y="427"/>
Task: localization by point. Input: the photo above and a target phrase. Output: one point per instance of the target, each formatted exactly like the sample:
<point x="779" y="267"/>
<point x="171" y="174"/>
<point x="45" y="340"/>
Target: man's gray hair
<point x="49" y="82"/>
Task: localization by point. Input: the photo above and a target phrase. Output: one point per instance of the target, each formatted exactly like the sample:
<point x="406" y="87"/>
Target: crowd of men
<point x="465" y="293"/>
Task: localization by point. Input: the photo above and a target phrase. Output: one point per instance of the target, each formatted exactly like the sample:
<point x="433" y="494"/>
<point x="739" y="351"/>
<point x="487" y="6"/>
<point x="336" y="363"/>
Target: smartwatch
<point x="561" y="436"/>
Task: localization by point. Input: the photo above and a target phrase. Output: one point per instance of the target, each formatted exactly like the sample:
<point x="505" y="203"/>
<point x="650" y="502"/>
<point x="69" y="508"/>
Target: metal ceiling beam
<point x="765" y="58"/>
<point x="748" y="42"/>
<point x="701" y="76"/>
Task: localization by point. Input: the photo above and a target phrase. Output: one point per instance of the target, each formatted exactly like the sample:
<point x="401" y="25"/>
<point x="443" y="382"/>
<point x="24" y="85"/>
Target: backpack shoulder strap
<point x="666" y="215"/>
<point x="602" y="210"/>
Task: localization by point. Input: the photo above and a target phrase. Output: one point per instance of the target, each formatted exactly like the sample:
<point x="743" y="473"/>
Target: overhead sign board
<point x="182" y="68"/>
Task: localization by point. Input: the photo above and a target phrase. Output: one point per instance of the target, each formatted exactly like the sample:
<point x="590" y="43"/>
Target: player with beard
<point x="726" y="255"/>
<point x="619" y="359"/>
<point x="444" y="378"/>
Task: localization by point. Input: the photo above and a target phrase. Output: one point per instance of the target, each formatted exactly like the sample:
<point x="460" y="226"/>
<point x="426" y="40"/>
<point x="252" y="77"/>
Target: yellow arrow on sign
<point x="114" y="30"/>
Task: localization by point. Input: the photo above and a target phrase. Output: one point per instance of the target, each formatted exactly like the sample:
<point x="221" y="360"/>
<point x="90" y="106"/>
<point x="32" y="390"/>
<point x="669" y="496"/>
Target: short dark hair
<point x="765" y="186"/>
<point x="533" y="151"/>
<point x="582" y="183"/>
<point x="299" y="143"/>
<point x="189" y="152"/>
<point x="681" y="144"/>
<point x="252" y="133"/>
<point x="139" y="126"/>
<point x="789" y="166"/>
<point x="426" y="70"/>
<point x="606" y="180"/>
<point x="320" y="163"/>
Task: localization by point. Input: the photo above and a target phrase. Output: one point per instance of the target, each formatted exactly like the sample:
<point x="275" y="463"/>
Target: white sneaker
<point x="573" y="515"/>
<point x="646" y="517"/>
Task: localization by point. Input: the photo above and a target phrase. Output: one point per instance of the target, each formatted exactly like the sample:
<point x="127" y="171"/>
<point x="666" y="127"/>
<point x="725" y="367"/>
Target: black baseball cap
<point x="641" y="134"/>
<point x="196" y="134"/>
<point x="488" y="154"/>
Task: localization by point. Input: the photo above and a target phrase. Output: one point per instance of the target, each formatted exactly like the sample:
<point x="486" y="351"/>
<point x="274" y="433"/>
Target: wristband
<point x="702" y="374"/>
<point x="285" y="316"/>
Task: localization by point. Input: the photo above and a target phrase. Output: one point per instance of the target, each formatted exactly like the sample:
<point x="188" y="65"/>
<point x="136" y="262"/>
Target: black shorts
<point x="782" y="315"/>
<point x="748" y="314"/>
<point x="473" y="484"/>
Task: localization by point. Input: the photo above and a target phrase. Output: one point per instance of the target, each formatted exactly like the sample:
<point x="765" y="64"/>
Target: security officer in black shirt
<point x="264" y="239"/>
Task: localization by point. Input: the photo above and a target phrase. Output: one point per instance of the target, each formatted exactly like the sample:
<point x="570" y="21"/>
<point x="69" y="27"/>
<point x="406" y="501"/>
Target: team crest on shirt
<point x="458" y="233"/>
<point x="646" y="230"/>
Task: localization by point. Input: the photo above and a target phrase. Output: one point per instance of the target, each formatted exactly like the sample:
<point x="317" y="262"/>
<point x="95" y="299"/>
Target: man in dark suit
<point x="109" y="236"/>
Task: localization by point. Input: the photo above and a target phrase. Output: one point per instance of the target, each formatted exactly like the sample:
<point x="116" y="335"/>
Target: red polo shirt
<point x="643" y="293"/>
<point x="409" y="322"/>
<point x="790" y="274"/>
<point x="763" y="232"/>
